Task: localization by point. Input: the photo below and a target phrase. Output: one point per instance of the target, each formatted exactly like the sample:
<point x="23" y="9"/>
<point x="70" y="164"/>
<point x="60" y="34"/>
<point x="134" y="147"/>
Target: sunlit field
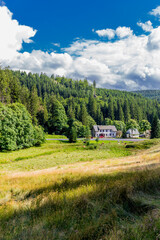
<point x="72" y="192"/>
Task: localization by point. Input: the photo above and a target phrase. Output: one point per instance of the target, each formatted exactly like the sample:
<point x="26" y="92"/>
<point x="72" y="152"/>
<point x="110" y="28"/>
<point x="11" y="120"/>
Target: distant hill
<point x="152" y="94"/>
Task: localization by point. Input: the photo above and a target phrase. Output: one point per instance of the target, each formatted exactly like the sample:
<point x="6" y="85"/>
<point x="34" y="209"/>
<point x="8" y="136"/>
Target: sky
<point x="116" y="43"/>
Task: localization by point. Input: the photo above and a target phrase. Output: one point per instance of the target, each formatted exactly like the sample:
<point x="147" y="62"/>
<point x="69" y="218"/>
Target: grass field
<point x="69" y="192"/>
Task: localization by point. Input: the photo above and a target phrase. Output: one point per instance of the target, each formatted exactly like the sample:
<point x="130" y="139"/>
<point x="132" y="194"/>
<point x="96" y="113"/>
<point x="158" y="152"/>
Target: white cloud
<point x="120" y="32"/>
<point x="12" y="34"/>
<point x="123" y="32"/>
<point x="130" y="62"/>
<point x="147" y="26"/>
<point x="154" y="39"/>
<point x="56" y="44"/>
<point x="156" y="12"/>
<point x="110" y="33"/>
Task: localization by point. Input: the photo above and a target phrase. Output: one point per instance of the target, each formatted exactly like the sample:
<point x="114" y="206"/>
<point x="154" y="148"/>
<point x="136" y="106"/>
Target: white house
<point x="104" y="131"/>
<point x="132" y="133"/>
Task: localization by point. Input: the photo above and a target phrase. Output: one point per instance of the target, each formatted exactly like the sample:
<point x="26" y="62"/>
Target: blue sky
<point x="63" y="21"/>
<point x="116" y="43"/>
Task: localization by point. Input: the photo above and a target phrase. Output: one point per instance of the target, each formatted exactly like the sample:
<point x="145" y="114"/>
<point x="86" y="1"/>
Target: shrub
<point x="16" y="129"/>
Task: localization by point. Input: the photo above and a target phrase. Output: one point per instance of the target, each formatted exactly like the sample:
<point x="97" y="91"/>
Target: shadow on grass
<point x="86" y="215"/>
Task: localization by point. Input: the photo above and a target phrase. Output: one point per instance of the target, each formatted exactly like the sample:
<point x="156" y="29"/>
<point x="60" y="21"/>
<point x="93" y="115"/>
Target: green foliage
<point x="155" y="128"/>
<point x="72" y="131"/>
<point x="87" y="133"/>
<point x="39" y="136"/>
<point x="72" y="135"/>
<point x="132" y="124"/>
<point x="77" y="99"/>
<point x="80" y="128"/>
<point x="119" y="125"/>
<point x="83" y="114"/>
<point x="16" y="129"/>
<point x="57" y="121"/>
<point x="144" y="125"/>
<point x="90" y="121"/>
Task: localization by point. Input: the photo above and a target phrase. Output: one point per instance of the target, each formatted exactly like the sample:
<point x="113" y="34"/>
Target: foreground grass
<point x="90" y="206"/>
<point x="82" y="201"/>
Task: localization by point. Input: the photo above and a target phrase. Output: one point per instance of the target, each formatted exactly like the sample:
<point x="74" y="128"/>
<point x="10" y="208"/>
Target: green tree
<point x="16" y="129"/>
<point x="111" y="109"/>
<point x="83" y="115"/>
<point x="144" y="125"/>
<point x="57" y="121"/>
<point x="92" y="106"/>
<point x="155" y="127"/>
<point x="127" y="115"/>
<point x="72" y="132"/>
<point x="34" y="104"/>
<point x="120" y="126"/>
<point x="87" y="133"/>
<point x="120" y="112"/>
<point x="108" y="121"/>
<point x="132" y="124"/>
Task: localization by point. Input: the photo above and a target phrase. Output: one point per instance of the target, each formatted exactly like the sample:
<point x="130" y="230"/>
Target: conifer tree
<point x="120" y="112"/>
<point x="155" y="128"/>
<point x="111" y="109"/>
<point x="92" y="106"/>
<point x="57" y="116"/>
<point x="72" y="133"/>
<point x="34" y="104"/>
<point x="84" y="114"/>
<point x="127" y="115"/>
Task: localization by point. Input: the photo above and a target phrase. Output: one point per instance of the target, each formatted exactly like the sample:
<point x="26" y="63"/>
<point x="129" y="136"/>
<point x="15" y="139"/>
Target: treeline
<point x="52" y="101"/>
<point x="152" y="94"/>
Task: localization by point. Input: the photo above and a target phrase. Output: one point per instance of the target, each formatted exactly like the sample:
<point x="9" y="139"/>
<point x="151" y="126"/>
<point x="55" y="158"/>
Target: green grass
<point x="53" y="136"/>
<point x="75" y="204"/>
<point x="56" y="153"/>
<point x="82" y="207"/>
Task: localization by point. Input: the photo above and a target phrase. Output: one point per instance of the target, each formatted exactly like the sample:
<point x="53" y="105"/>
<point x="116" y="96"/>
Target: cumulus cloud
<point x="147" y="26"/>
<point x="123" y="32"/>
<point x="156" y="12"/>
<point x="110" y="33"/>
<point x="120" y="32"/>
<point x="12" y="34"/>
<point x="128" y="62"/>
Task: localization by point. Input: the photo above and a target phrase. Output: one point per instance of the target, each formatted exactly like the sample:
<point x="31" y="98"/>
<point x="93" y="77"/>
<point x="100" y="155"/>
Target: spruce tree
<point x="111" y="109"/>
<point x="84" y="114"/>
<point x="57" y="116"/>
<point x="120" y="112"/>
<point x="72" y="132"/>
<point x="127" y="115"/>
<point x="34" y="104"/>
<point x="155" y="127"/>
<point x="92" y="106"/>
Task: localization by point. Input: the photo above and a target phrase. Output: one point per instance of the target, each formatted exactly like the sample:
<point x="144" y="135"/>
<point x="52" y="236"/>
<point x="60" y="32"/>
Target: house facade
<point x="104" y="131"/>
<point x="132" y="133"/>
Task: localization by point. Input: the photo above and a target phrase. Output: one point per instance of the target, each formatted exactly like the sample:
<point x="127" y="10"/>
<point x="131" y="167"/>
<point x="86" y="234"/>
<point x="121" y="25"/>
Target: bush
<point x="16" y="129"/>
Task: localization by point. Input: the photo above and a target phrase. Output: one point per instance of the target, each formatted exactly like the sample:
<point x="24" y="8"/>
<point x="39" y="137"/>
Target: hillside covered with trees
<point x="52" y="101"/>
<point x="152" y="94"/>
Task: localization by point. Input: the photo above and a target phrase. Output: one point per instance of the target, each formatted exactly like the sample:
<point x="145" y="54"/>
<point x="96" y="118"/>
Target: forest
<point x="152" y="94"/>
<point x="52" y="101"/>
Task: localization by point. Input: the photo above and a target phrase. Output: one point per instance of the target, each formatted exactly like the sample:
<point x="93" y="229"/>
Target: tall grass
<point x="79" y="201"/>
<point x="79" y="206"/>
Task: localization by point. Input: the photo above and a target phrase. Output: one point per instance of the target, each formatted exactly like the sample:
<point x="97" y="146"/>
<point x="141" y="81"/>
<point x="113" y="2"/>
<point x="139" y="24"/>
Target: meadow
<point x="65" y="191"/>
